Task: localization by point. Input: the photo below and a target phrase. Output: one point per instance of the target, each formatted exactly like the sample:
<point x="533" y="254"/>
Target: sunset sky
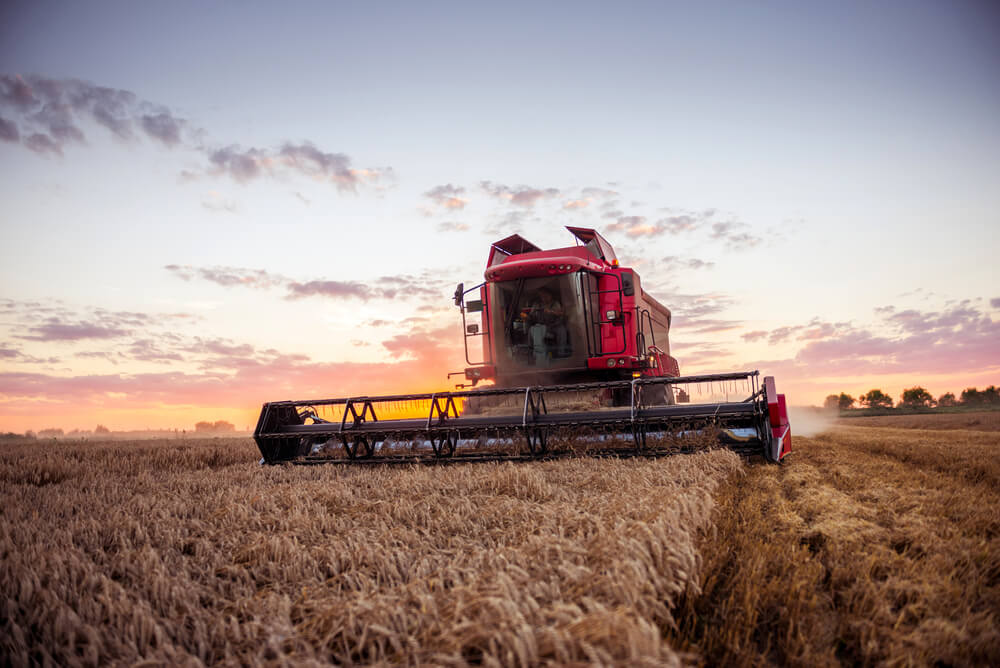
<point x="209" y="206"/>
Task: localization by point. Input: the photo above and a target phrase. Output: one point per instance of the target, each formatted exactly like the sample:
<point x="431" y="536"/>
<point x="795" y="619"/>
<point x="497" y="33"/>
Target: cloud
<point x="821" y="330"/>
<point x="634" y="226"/>
<point x="59" y="121"/>
<point x="451" y="226"/>
<point x="676" y="263"/>
<point x="755" y="335"/>
<point x="333" y="167"/>
<point x="995" y="302"/>
<point x="333" y="289"/>
<point x="8" y="131"/>
<point x="419" y="343"/>
<point x="734" y="234"/>
<point x="698" y="306"/>
<point x="53" y="113"/>
<point x="522" y="196"/>
<point x="589" y="196"/>
<point x="957" y="340"/>
<point x="14" y="354"/>
<point x="447" y="196"/>
<point x="221" y="353"/>
<point x="228" y="276"/>
<point x="710" y="325"/>
<point x="16" y="93"/>
<point x="678" y="224"/>
<point x="131" y="335"/>
<point x="730" y="233"/>
<point x="598" y="193"/>
<point x="98" y="354"/>
<point x="147" y="350"/>
<point x="637" y="226"/>
<point x="233" y="375"/>
<point x="782" y="334"/>
<point x="917" y="322"/>
<point x="244" y="165"/>
<point x="214" y="202"/>
<point x="42" y="144"/>
<point x="700" y="354"/>
<point x="162" y="126"/>
<point x="239" y="165"/>
<point x="55" y="330"/>
<point x="426" y="284"/>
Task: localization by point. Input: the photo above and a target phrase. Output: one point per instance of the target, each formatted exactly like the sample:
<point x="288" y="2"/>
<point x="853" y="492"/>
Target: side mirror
<point x="459" y="292"/>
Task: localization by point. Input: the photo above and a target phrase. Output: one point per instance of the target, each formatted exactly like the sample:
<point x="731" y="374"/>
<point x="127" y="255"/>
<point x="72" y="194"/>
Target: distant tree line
<point x="100" y="430"/>
<point x="916" y="397"/>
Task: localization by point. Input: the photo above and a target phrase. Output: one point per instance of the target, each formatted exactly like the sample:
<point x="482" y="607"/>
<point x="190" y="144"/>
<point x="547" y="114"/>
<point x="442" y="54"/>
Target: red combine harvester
<point x="579" y="359"/>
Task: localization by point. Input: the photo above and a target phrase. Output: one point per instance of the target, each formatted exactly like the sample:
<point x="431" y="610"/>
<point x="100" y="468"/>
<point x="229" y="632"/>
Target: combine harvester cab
<point x="579" y="359"/>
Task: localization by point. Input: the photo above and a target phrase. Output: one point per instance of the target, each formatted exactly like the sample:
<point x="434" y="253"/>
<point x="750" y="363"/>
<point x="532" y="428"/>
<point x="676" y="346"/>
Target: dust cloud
<point x="809" y="420"/>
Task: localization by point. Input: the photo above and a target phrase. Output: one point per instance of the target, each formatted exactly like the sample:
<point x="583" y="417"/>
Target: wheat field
<point x="146" y="551"/>
<point x="870" y="546"/>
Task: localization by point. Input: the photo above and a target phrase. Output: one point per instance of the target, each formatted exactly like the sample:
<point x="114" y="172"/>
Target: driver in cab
<point x="546" y="321"/>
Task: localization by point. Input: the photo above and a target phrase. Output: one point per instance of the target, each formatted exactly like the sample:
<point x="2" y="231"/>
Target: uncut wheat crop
<point x="188" y="552"/>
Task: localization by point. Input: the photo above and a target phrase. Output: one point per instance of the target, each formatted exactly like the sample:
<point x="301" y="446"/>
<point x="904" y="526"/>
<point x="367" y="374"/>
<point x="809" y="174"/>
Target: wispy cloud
<point x="383" y="287"/>
<point x="734" y="235"/>
<point x="9" y="131"/>
<point x="597" y="192"/>
<point x="228" y="276"/>
<point x="679" y="224"/>
<point x="633" y="226"/>
<point x="12" y="353"/>
<point x="245" y="165"/>
<point x="332" y="289"/>
<point x="452" y="226"/>
<point x="590" y="196"/>
<point x="675" y="263"/>
<point x="448" y="196"/>
<point x="56" y="330"/>
<point x="53" y="322"/>
<point x="710" y="325"/>
<point x="522" y="196"/>
<point x="955" y="340"/>
<point x="51" y="114"/>
<point x="230" y="374"/>
<point x="640" y="226"/>
<point x="696" y="306"/>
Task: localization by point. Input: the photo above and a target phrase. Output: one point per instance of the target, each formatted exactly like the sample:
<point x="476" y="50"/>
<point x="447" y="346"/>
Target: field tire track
<point x="869" y="546"/>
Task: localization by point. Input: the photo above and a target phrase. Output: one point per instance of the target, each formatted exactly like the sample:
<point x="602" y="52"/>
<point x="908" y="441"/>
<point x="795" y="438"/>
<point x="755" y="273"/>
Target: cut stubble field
<point x="871" y="545"/>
